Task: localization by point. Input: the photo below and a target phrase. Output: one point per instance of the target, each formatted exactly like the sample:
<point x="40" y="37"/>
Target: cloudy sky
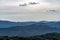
<point x="10" y="10"/>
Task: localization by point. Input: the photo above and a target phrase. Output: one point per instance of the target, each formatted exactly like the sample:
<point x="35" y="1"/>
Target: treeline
<point x="48" y="36"/>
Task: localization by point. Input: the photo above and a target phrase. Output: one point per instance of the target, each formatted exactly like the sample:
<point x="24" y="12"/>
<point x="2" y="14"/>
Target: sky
<point x="11" y="11"/>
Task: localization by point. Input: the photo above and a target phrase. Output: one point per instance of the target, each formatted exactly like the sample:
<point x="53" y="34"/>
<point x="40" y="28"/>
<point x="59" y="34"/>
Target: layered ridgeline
<point x="6" y="24"/>
<point x="28" y="28"/>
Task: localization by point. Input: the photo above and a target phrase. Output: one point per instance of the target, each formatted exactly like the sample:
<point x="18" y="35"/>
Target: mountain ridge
<point x="30" y="30"/>
<point x="6" y="24"/>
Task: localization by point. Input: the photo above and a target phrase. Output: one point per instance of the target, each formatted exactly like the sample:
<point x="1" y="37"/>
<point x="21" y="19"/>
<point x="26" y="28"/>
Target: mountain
<point x="8" y="28"/>
<point x="55" y="24"/>
<point x="29" y="30"/>
<point x="48" y="36"/>
<point x="6" y="24"/>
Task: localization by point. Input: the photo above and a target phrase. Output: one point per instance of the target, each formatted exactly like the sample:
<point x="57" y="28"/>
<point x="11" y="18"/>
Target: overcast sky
<point x="10" y="10"/>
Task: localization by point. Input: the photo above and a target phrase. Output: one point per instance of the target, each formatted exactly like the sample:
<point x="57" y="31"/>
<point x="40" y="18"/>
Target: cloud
<point x="29" y="13"/>
<point x="8" y="2"/>
<point x="33" y="3"/>
<point x="24" y="4"/>
<point x="53" y="1"/>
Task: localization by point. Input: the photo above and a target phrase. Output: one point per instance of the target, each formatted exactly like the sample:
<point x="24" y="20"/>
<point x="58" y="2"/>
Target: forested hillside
<point x="48" y="36"/>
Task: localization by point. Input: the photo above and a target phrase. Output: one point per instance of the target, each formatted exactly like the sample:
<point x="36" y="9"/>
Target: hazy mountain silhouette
<point x="6" y="24"/>
<point x="28" y="30"/>
<point x="52" y="23"/>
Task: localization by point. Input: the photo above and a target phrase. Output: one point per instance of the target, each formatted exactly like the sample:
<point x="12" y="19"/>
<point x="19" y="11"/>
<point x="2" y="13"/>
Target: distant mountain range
<point x="6" y="24"/>
<point x="28" y="28"/>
